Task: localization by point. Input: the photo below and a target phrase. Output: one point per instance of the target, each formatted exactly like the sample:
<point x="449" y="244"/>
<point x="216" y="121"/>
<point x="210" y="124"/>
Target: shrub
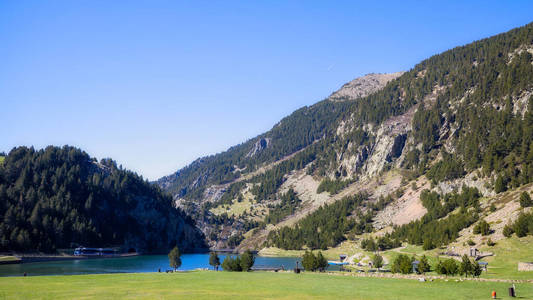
<point x="402" y="264"/>
<point x="482" y="228"/>
<point x="470" y="243"/>
<point x="523" y="225"/>
<point x="369" y="244"/>
<point x="447" y="267"/>
<point x="490" y="243"/>
<point x="232" y="264"/>
<point x="508" y="230"/>
<point x="525" y="200"/>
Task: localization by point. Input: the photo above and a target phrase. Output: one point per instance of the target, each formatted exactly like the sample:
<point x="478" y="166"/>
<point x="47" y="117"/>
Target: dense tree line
<point x="60" y="197"/>
<point x="269" y="182"/>
<point x="239" y="263"/>
<point x="446" y="169"/>
<point x="381" y="243"/>
<point x="313" y="263"/>
<point x="405" y="265"/>
<point x="332" y="186"/>
<point x="325" y="227"/>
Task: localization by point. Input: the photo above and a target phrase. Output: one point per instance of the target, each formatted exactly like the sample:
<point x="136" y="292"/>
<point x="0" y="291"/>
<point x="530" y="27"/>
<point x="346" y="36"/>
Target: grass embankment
<point x="503" y="265"/>
<point x="507" y="254"/>
<point x="226" y="285"/>
<point x="8" y="258"/>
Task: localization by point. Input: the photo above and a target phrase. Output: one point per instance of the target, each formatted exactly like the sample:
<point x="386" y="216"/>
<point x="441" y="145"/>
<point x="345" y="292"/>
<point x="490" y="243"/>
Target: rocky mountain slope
<point x="462" y="118"/>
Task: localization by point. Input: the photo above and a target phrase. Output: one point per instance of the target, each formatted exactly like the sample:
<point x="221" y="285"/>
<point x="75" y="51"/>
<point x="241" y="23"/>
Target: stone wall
<point x="525" y="266"/>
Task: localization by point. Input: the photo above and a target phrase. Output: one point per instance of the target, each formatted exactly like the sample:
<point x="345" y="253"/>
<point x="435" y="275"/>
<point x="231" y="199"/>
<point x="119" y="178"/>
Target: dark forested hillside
<point x="60" y="198"/>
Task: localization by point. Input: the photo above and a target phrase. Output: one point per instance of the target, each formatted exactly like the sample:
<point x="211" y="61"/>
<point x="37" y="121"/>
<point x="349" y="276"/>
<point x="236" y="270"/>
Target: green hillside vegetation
<point x="326" y="227"/>
<point x="60" y="197"/>
<point x="287" y="206"/>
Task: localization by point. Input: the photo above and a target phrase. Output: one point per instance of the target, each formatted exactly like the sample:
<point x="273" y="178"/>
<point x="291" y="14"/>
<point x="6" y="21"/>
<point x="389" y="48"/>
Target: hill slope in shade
<point x="61" y="198"/>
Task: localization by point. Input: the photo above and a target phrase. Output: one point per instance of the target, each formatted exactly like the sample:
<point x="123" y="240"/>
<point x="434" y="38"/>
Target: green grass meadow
<point x="254" y="285"/>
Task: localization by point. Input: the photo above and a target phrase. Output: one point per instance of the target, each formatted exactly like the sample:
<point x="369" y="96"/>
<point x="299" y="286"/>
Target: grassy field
<point x="226" y="285"/>
<point x="503" y="265"/>
<point x="507" y="254"/>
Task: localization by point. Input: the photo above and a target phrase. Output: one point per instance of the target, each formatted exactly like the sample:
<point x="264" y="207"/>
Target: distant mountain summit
<point x="363" y="86"/>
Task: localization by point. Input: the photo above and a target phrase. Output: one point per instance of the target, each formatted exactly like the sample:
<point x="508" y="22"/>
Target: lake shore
<point x="22" y="258"/>
<point x="69" y="265"/>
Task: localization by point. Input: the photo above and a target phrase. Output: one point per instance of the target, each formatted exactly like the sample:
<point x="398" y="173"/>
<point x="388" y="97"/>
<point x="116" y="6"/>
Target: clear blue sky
<point x="156" y="84"/>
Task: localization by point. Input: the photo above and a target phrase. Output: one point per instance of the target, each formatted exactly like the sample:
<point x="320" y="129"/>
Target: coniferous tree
<point x="174" y="258"/>
<point x="402" y="264"/>
<point x="466" y="267"/>
<point x="525" y="200"/>
<point x="423" y="265"/>
<point x="377" y="261"/>
<point x="214" y="260"/>
<point x="247" y="261"/>
<point x="309" y="261"/>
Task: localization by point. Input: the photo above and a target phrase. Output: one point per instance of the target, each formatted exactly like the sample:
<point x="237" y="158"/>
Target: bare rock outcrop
<point x="363" y="86"/>
<point x="259" y="146"/>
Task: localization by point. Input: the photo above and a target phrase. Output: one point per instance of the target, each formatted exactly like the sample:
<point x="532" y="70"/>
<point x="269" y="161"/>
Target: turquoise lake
<point x="136" y="264"/>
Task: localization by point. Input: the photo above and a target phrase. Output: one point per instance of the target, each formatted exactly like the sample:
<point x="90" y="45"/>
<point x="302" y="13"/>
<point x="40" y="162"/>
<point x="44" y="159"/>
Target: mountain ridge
<point x="439" y="123"/>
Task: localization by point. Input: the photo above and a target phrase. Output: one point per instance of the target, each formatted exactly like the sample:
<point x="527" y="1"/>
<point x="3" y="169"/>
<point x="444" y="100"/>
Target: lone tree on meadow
<point x="174" y="258"/>
<point x="214" y="260"/>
